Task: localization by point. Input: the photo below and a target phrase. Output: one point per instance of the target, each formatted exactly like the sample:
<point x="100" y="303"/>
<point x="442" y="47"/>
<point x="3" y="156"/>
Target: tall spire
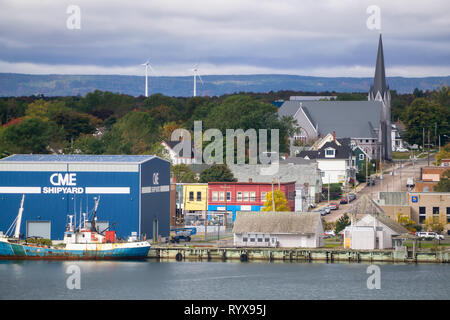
<point x="379" y="81"/>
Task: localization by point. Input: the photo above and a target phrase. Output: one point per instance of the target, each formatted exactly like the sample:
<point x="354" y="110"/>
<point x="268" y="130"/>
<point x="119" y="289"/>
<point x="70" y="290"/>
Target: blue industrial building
<point x="133" y="193"/>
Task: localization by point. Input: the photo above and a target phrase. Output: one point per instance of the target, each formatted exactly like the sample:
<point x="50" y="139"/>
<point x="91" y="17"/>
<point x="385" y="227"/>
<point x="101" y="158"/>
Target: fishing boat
<point x="84" y="242"/>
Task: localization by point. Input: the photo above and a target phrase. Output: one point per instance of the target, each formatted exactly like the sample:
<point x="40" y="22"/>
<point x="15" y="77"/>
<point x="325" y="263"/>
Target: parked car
<point x="401" y="149"/>
<point x="351" y="197"/>
<point x="333" y="205"/>
<point x="429" y="235"/>
<point x="329" y="233"/>
<point x="371" y="182"/>
<point x="343" y="200"/>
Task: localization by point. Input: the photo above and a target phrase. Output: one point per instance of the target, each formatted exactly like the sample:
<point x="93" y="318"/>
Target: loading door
<point x="39" y="229"/>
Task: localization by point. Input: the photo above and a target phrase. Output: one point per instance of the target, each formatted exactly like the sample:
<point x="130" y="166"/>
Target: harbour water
<point x="154" y="279"/>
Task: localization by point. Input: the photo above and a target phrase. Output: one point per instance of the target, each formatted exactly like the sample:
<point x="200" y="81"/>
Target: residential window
<point x="199" y="196"/>
<point x="367" y="141"/>
<point x="422" y="214"/>
<point x="228" y="196"/>
<point x="245" y="196"/>
<point x="435" y="210"/>
<point x="215" y="196"/>
<point x="222" y="196"/>
<point x="263" y="196"/>
<point x="191" y="195"/>
<point x="448" y="214"/>
<point x="329" y="152"/>
<point x="361" y="156"/>
<point x="252" y="196"/>
<point x="245" y="239"/>
<point x="239" y="196"/>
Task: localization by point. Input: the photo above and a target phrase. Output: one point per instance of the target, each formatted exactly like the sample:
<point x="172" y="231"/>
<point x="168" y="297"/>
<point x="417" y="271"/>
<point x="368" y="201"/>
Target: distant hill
<point x="12" y="84"/>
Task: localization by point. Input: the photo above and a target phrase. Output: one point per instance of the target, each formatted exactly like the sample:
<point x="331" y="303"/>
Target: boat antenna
<point x="19" y="219"/>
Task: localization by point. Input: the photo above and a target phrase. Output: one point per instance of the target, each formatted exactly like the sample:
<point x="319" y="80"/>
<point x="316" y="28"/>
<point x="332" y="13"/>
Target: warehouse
<point x="133" y="193"/>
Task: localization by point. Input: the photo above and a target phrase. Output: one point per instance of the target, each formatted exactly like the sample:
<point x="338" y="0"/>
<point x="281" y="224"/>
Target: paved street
<point x="394" y="179"/>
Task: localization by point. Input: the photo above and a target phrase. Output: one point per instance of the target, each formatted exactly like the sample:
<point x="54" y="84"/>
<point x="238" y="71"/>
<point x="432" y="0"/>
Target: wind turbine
<point x="147" y="65"/>
<point x="195" y="70"/>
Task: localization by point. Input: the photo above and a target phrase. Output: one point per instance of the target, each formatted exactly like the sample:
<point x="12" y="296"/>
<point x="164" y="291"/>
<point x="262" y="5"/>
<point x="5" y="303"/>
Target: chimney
<point x="250" y="180"/>
<point x="334" y="136"/>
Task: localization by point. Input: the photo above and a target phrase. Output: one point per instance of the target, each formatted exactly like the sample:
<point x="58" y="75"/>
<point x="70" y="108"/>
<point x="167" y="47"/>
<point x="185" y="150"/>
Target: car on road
<point x="333" y="205"/>
<point x="371" y="182"/>
<point x="351" y="197"/>
<point x="329" y="233"/>
<point x="429" y="235"/>
<point x="343" y="200"/>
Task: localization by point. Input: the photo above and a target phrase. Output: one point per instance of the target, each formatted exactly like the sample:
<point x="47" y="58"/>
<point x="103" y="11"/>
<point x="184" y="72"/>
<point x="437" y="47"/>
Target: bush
<point x="40" y="241"/>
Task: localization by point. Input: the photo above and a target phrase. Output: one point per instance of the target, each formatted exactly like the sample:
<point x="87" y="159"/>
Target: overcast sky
<point x="303" y="37"/>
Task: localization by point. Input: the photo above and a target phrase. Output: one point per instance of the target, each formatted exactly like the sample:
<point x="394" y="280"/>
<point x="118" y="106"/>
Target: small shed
<point x="373" y="232"/>
<point x="278" y="229"/>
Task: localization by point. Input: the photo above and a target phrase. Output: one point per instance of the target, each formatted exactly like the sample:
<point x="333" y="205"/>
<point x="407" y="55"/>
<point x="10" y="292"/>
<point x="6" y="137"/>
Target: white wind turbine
<point x="195" y="70"/>
<point x="147" y="65"/>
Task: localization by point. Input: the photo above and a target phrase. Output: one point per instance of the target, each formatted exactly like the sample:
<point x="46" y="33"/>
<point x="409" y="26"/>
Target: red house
<point x="245" y="196"/>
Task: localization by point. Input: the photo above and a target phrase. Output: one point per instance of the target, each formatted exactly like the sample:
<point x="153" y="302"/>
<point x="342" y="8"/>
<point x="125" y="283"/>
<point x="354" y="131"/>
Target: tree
<point x="424" y="114"/>
<point x="342" y="223"/>
<point x="183" y="174"/>
<point x="135" y="133"/>
<point x="28" y="136"/>
<point x="217" y="173"/>
<point x="444" y="183"/>
<point x="433" y="224"/>
<point x="281" y="203"/>
<point x="88" y="144"/>
<point x="406" y="222"/>
<point x="443" y="154"/>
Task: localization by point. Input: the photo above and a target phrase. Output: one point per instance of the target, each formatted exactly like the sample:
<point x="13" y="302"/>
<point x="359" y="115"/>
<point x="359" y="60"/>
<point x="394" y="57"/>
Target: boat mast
<point x="19" y="219"/>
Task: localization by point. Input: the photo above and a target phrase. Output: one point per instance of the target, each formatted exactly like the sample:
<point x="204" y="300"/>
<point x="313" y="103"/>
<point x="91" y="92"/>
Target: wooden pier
<point x="204" y="253"/>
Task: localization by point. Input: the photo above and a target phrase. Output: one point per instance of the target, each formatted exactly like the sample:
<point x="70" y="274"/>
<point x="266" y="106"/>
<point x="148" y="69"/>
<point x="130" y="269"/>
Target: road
<point x="394" y="179"/>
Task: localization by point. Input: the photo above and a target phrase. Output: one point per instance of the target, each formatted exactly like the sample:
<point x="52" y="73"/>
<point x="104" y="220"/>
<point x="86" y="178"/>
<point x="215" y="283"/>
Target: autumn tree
<point x="281" y="203"/>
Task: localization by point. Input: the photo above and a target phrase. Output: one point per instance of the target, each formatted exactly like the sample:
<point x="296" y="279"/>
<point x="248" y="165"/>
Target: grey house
<point x="278" y="229"/>
<point x="366" y="123"/>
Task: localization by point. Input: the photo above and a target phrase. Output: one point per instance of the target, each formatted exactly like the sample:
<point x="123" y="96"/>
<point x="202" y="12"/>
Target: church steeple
<point x="379" y="91"/>
<point x="379" y="81"/>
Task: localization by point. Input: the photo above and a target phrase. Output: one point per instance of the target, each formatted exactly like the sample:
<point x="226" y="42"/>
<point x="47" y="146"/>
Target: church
<point x="366" y="124"/>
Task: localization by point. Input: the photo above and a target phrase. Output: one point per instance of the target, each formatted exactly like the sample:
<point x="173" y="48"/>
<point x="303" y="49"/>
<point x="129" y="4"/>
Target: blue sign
<point x="414" y="199"/>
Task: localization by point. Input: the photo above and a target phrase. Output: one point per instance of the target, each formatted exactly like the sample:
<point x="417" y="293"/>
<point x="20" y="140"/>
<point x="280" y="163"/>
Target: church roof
<point x="379" y="80"/>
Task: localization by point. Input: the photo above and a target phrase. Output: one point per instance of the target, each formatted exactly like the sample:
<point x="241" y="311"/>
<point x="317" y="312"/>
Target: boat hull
<point x="107" y="251"/>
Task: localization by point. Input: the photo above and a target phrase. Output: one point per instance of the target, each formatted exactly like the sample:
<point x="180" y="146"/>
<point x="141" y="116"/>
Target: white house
<point x="335" y="160"/>
<point x="372" y="232"/>
<point x="278" y="229"/>
<point x="178" y="157"/>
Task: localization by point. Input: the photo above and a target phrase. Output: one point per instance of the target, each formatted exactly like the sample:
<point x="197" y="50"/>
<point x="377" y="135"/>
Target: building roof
<point x="277" y="222"/>
<point x="302" y="172"/>
<point x="20" y="158"/>
<point x="172" y="144"/>
<point x="341" y="152"/>
<point x="349" y="119"/>
<point x="385" y="220"/>
<point x="365" y="204"/>
<point x="379" y="80"/>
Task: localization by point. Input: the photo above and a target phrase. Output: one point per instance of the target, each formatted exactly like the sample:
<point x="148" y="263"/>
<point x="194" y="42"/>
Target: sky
<point x="299" y="37"/>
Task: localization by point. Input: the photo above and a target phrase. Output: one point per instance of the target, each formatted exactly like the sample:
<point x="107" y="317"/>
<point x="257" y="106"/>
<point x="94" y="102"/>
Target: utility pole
<point x="273" y="199"/>
<point x="329" y="182"/>
<point x="428" y="147"/>
<point x="423" y="139"/>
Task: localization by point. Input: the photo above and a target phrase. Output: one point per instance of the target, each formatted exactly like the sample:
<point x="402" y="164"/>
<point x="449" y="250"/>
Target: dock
<point x="210" y="253"/>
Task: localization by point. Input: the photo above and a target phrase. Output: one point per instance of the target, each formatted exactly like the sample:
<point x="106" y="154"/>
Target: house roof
<point x="341" y="152"/>
<point x="379" y="80"/>
<point x="352" y="119"/>
<point x="77" y="158"/>
<point x="173" y="144"/>
<point x="277" y="222"/>
<point x="383" y="219"/>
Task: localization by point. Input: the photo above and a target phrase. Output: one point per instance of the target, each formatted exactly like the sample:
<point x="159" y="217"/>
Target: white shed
<point x="372" y="232"/>
<point x="278" y="229"/>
